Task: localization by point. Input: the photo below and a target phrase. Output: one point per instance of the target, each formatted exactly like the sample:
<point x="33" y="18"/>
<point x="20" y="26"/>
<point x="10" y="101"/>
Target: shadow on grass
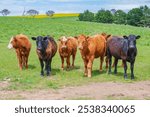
<point x="72" y="68"/>
<point x="97" y="72"/>
<point x="121" y="74"/>
<point x="55" y="71"/>
<point x="31" y="67"/>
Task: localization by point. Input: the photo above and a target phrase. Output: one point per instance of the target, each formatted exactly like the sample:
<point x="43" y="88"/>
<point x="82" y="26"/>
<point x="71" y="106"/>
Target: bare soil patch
<point x="106" y="90"/>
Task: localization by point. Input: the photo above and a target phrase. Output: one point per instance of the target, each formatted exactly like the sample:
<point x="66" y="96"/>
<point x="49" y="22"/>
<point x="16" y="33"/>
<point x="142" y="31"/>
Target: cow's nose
<point x="132" y="47"/>
<point x="39" y="48"/>
<point x="63" y="47"/>
<point x="80" y="47"/>
<point x="9" y="46"/>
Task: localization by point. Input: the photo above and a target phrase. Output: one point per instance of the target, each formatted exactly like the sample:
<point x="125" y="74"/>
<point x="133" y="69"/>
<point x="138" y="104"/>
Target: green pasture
<point x="68" y="26"/>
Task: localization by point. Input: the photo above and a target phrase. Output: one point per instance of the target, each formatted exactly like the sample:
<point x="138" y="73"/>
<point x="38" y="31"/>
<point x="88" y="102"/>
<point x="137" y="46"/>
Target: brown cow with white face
<point x="22" y="46"/>
<point x="67" y="48"/>
<point x="91" y="48"/>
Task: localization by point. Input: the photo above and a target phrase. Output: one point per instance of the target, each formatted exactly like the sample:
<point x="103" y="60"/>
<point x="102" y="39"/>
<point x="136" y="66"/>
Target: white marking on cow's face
<point x="64" y="39"/>
<point x="10" y="46"/>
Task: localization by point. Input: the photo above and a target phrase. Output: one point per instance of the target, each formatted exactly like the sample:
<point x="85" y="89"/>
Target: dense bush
<point x="86" y="16"/>
<point x="120" y="17"/>
<point x="136" y="16"/>
<point x="104" y="16"/>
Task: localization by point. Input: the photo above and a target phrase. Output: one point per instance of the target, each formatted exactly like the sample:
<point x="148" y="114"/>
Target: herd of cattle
<point x="91" y="47"/>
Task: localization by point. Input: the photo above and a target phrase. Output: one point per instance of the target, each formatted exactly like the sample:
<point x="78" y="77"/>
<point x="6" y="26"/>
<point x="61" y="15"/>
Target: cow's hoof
<point x="89" y="76"/>
<point x="48" y="74"/>
<point x="125" y="77"/>
<point x="42" y="75"/>
<point x="100" y="70"/>
<point x="132" y="78"/>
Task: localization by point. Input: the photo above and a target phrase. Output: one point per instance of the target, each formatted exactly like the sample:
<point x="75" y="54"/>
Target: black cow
<point x="46" y="49"/>
<point x="122" y="48"/>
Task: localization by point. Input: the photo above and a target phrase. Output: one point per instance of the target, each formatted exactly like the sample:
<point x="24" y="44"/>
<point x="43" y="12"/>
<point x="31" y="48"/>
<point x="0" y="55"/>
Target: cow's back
<point x="23" y="42"/>
<point x="72" y="44"/>
<point x="115" y="45"/>
<point x="97" y="45"/>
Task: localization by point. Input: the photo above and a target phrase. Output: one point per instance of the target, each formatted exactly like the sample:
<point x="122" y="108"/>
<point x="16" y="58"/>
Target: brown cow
<point x="22" y="46"/>
<point x="67" y="47"/>
<point x="90" y="48"/>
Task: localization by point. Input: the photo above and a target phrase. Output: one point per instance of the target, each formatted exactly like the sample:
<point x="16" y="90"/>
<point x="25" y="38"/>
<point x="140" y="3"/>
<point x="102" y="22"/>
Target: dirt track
<point x="107" y="90"/>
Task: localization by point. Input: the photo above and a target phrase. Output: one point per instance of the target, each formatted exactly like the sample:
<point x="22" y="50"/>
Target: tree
<point x="5" y="12"/>
<point x="32" y="12"/>
<point x="49" y="13"/>
<point x="104" y="16"/>
<point x="86" y="16"/>
<point x="120" y="17"/>
<point x="134" y="17"/>
<point x="145" y="20"/>
<point x="113" y="11"/>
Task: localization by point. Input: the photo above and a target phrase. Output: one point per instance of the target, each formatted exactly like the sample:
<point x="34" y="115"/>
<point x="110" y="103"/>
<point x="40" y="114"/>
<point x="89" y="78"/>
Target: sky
<point x="69" y="6"/>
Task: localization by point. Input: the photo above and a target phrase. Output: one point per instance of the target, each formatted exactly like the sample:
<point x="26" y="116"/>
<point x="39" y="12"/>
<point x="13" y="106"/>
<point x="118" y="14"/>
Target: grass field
<point x="68" y="26"/>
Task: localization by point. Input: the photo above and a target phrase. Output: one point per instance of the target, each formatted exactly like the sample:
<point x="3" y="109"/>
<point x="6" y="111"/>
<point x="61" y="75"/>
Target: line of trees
<point x="136" y="16"/>
<point x="31" y="12"/>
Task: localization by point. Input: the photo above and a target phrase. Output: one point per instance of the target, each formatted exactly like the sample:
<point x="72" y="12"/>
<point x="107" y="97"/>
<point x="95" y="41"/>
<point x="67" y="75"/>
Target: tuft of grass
<point x="57" y="27"/>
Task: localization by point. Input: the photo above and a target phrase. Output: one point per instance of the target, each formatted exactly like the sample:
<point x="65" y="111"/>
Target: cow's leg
<point x="109" y="56"/>
<point x="48" y="67"/>
<point x="42" y="66"/>
<point x="73" y="59"/>
<point x="68" y="62"/>
<point x="101" y="63"/>
<point x="89" y="66"/>
<point x="110" y="62"/>
<point x="115" y="62"/>
<point x="27" y="60"/>
<point x="62" y="62"/>
<point x="125" y="69"/>
<point x="19" y="59"/>
<point x="106" y="60"/>
<point x="132" y="68"/>
<point x="85" y="68"/>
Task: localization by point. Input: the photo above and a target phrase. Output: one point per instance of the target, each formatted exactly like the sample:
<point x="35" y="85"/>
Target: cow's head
<point x="131" y="39"/>
<point x="64" y="40"/>
<point x="81" y="40"/>
<point x="41" y="42"/>
<point x="12" y="43"/>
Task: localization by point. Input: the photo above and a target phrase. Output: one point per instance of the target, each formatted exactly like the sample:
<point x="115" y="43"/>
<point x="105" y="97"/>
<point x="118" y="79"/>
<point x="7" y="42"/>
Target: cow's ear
<point x="76" y="37"/>
<point x="125" y="37"/>
<point x="14" y="38"/>
<point x="108" y="36"/>
<point x="87" y="38"/>
<point x="45" y="38"/>
<point x="137" y="37"/>
<point x="33" y="38"/>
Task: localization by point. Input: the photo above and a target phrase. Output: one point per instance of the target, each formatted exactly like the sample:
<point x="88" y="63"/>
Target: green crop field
<point x="68" y="26"/>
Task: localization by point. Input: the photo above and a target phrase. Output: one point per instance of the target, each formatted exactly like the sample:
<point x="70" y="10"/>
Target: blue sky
<point x="69" y="6"/>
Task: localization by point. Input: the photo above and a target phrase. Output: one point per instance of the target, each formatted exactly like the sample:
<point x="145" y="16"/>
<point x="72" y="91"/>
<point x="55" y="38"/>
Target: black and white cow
<point x="122" y="48"/>
<point x="46" y="49"/>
